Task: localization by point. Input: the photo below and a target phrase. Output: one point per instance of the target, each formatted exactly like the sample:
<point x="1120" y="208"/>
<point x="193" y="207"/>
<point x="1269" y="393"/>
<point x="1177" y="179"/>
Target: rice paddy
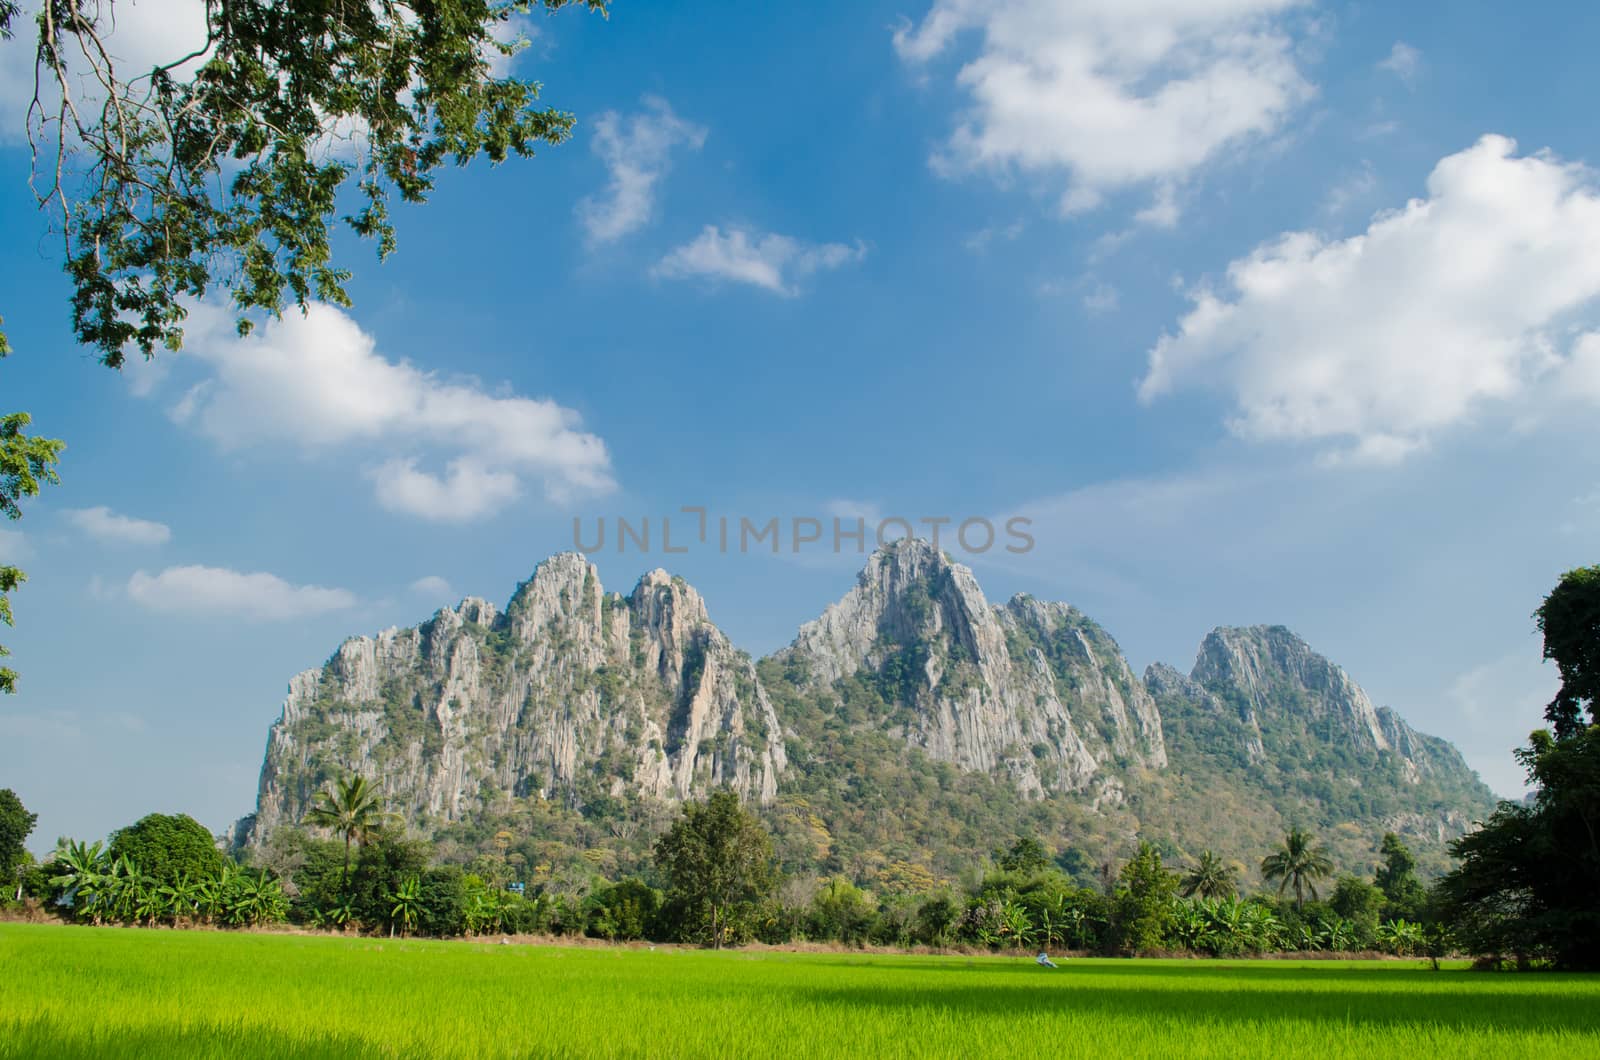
<point x="79" y="992"/>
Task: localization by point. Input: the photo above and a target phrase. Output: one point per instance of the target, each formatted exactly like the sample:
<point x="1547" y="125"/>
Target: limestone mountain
<point x="570" y="693"/>
<point x="908" y="729"/>
<point x="1263" y="715"/>
<point x="1030" y="690"/>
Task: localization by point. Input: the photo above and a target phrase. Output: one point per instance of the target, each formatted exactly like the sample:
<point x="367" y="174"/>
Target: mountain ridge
<point x="610" y="708"/>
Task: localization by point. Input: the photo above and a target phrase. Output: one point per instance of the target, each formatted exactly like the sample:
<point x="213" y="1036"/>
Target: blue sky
<point x="1261" y="310"/>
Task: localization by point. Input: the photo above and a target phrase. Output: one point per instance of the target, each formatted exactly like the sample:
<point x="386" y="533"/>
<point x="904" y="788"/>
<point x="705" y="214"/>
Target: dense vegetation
<point x="164" y="995"/>
<point x="714" y="880"/>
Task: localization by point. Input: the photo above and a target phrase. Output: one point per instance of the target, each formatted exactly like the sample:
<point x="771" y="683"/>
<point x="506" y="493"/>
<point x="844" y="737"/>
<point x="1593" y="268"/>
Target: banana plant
<point x="1339" y="933"/>
<point x="214" y="893"/>
<point x="1230" y="926"/>
<point x="83" y="883"/>
<point x="407" y="901"/>
<point x="1400" y="937"/>
<point x="182" y="897"/>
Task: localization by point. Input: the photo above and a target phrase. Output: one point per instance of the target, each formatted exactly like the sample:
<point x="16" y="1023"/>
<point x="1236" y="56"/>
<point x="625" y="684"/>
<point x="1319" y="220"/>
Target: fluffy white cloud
<point x="103" y="524"/>
<point x="637" y="152"/>
<point x="317" y="381"/>
<point x="773" y="262"/>
<point x="196" y="590"/>
<point x="1471" y="296"/>
<point x="466" y="491"/>
<point x="432" y="586"/>
<point x="1403" y="61"/>
<point x="1111" y="94"/>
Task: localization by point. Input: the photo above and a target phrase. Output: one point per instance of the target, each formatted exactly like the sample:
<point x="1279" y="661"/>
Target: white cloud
<point x="316" y="381"/>
<point x="218" y="591"/>
<point x="104" y="524"/>
<point x="1112" y="94"/>
<point x="773" y="262"/>
<point x="637" y="152"/>
<point x="467" y="490"/>
<point x="1464" y="299"/>
<point x="1403" y="61"/>
<point x="432" y="586"/>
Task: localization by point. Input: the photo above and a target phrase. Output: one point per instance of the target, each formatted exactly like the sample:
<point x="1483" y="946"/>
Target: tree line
<point x="714" y="882"/>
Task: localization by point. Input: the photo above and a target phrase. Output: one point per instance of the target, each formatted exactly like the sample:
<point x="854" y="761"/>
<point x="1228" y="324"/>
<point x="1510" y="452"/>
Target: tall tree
<point x="1143" y="901"/>
<point x="16" y="824"/>
<point x="1210" y="877"/>
<point x="1397" y="879"/>
<point x="1299" y="863"/>
<point x="717" y="862"/>
<point x="1569" y="618"/>
<point x="1528" y="878"/>
<point x="353" y="809"/>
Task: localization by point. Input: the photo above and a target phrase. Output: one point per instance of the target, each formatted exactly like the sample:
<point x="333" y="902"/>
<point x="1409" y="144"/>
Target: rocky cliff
<point x="1032" y="690"/>
<point x="1264" y="715"/>
<point x="912" y="723"/>
<point x="569" y="693"/>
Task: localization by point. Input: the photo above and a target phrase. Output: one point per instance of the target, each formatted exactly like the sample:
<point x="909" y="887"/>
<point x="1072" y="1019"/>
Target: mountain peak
<point x="1272" y="670"/>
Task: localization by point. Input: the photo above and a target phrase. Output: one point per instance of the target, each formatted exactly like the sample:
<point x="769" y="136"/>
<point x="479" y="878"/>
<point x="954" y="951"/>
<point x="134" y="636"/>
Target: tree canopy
<point x="168" y="848"/>
<point x="1210" y="877"/>
<point x="717" y="861"/>
<point x="227" y="166"/>
<point x="1300" y="862"/>
<point x="16" y="824"/>
<point x="352" y="809"/>
<point x="1569" y="618"/>
<point x="26" y="463"/>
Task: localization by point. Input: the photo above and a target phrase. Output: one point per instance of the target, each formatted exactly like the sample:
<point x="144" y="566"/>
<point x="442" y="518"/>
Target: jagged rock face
<point x="583" y="697"/>
<point x="570" y="693"/>
<point x="1264" y="662"/>
<point x="1033" y="690"/>
<point x="1265" y="717"/>
<point x="1259" y="671"/>
<point x="1171" y="688"/>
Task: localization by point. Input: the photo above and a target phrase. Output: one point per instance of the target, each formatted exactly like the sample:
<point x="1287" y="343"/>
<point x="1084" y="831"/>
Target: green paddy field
<point x="109" y="992"/>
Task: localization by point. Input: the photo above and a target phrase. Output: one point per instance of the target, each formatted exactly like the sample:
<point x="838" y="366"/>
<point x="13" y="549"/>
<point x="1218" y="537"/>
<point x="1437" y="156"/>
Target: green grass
<point x="72" y="991"/>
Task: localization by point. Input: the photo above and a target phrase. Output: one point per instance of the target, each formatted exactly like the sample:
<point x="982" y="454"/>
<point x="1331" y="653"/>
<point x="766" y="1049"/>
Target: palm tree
<point x="352" y="808"/>
<point x="1210" y="878"/>
<point x="1301" y="861"/>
